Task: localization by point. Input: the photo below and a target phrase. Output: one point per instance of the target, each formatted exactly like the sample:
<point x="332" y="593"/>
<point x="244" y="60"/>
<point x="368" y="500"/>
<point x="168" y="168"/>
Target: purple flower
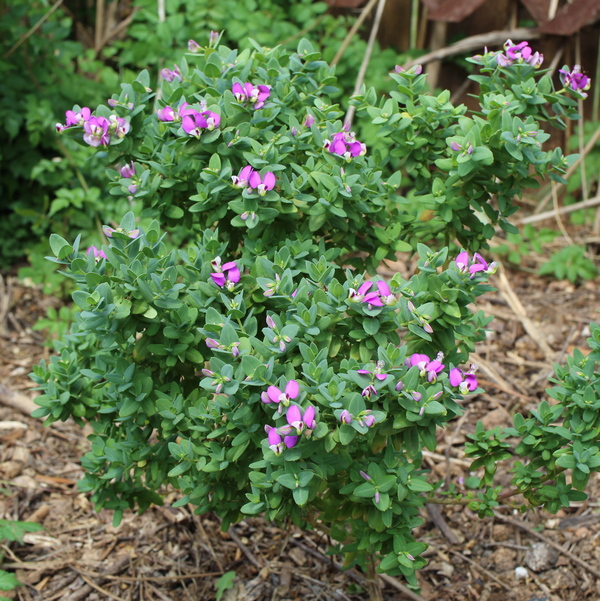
<point x="97" y="252"/>
<point x="278" y="444"/>
<point x="193" y="46"/>
<point x="169" y="75"/>
<point x="96" y="131"/>
<point x="308" y="120"/>
<point x="249" y="93"/>
<point x="575" y="79"/>
<point x="346" y="145"/>
<point x="212" y="343"/>
<point x="376" y="298"/>
<point x="366" y="418"/>
<point x="128" y="170"/>
<point x="466" y="381"/>
<point x="365" y="475"/>
<point x="168" y="114"/>
<point x="194" y="122"/>
<point x="261" y="185"/>
<point x="519" y="53"/>
<point x="119" y="126"/>
<point x="241" y="180"/>
<point x="369" y="391"/>
<point x="226" y="275"/>
<point x="274" y="394"/>
<point x="346" y="417"/>
<point x="213" y="38"/>
<point x="298" y="420"/>
<point x="474" y="266"/>
<point x="73" y="118"/>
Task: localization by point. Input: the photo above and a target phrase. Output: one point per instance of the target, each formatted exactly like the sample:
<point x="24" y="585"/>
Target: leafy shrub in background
<point x="45" y="185"/>
<point x="256" y="368"/>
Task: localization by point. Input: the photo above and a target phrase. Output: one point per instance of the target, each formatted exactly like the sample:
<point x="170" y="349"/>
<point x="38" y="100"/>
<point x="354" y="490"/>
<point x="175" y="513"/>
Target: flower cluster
<point x="473" y="266"/>
<point x="519" y="53"/>
<point x="252" y="179"/>
<point x="466" y="149"/>
<point x="226" y="275"/>
<point x="98" y="131"/>
<point x="374" y="298"/>
<point x="364" y="418"/>
<point x="346" y="145"/>
<point x="427" y="367"/>
<point x="575" y="80"/>
<point x="298" y="421"/>
<point x="193" y="122"/>
<point x="246" y="92"/>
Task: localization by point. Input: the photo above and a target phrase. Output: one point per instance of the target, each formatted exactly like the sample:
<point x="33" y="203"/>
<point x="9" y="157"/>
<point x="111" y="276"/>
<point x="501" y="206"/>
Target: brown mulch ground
<point x="172" y="555"/>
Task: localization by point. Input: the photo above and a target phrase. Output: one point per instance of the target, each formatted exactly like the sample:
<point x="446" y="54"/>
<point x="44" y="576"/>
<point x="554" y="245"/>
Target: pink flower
<point x="346" y="417"/>
<point x="226" y="275"/>
<point x="278" y="444"/>
<point x="193" y="46"/>
<point x="169" y="75"/>
<point x="346" y="145"/>
<point x="168" y="114"/>
<point x="128" y="170"/>
<point x="96" y="131"/>
<point x="262" y="186"/>
<point x="80" y="118"/>
<point x="194" y="122"/>
<point x="466" y="381"/>
<point x="241" y="180"/>
<point x="474" y="266"/>
<point x="249" y="93"/>
<point x="308" y="120"/>
<point x="298" y="420"/>
<point x="575" y="79"/>
<point x="275" y="395"/>
<point x="97" y="252"/>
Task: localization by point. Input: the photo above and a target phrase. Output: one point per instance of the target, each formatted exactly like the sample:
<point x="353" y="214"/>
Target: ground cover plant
<point x="256" y="367"/>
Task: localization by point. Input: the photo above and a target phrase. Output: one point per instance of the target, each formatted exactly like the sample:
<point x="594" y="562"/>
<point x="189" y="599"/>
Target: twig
<point x="584" y="204"/>
<point x="363" y="15"/>
<point x="366" y="58"/>
<point x="99" y="33"/>
<point x="198" y="521"/>
<point x="438" y="519"/>
<point x="236" y="539"/>
<point x="482" y="569"/>
<point x="100" y="589"/>
<point x="549" y="542"/>
<point x="559" y="221"/>
<point x="25" y="37"/>
<point x="475" y="42"/>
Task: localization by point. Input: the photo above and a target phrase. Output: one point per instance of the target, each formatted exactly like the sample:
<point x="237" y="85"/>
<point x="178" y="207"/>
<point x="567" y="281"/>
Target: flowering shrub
<point x="256" y="368"/>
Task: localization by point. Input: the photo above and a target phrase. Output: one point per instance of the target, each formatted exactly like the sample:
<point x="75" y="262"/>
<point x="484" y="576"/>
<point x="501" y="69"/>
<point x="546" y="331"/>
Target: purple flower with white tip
<point x="194" y="122"/>
<point x="128" y="170"/>
<point x="277" y="443"/>
<point x="169" y="75"/>
<point x="249" y="93"/>
<point x="346" y="417"/>
<point x="96" y="131"/>
<point x="241" y="180"/>
<point x="476" y="265"/>
<point x="345" y="145"/>
<point x="262" y="185"/>
<point x="226" y="275"/>
<point x="299" y="420"/>
<point x="275" y="395"/>
<point x="366" y="419"/>
<point x="193" y="46"/>
<point x="96" y="252"/>
<point x="465" y="381"/>
<point x="575" y="80"/>
<point x="168" y="114"/>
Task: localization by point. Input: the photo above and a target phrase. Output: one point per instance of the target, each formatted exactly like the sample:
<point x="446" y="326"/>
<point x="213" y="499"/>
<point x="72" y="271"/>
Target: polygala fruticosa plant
<point x="234" y="348"/>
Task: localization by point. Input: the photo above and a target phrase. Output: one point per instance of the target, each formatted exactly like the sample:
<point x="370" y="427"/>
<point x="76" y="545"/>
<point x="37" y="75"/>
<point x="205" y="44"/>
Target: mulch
<point x="169" y="554"/>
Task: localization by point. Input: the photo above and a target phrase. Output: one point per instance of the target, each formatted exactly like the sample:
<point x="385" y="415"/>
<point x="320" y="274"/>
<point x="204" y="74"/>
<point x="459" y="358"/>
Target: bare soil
<point x="171" y="554"/>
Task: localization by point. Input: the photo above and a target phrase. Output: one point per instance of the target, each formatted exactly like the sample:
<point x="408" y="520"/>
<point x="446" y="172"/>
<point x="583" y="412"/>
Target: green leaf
<point x="224" y="583"/>
<point x="13" y="531"/>
<point x="7" y="582"/>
